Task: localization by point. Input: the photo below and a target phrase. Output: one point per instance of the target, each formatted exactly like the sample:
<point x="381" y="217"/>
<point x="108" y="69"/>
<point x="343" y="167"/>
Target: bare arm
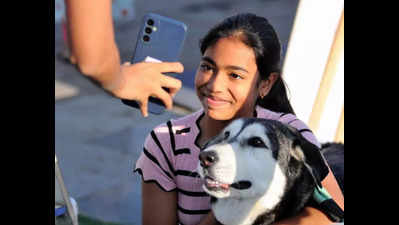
<point x="314" y="216"/>
<point x="91" y="36"/>
<point x="163" y="203"/>
<point x="209" y="220"/>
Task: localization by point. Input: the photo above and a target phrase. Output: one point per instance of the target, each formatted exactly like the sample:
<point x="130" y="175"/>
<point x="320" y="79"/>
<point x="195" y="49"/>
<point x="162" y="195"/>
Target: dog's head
<point x="253" y="158"/>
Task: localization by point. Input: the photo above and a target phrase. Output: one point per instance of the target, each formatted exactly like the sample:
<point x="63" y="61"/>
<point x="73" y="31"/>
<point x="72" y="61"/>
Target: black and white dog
<point x="258" y="171"/>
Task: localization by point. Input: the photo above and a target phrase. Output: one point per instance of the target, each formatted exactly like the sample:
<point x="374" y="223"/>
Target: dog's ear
<point x="313" y="159"/>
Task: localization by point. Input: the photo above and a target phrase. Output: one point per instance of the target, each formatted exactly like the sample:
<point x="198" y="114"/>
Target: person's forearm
<point x="108" y="71"/>
<point x="331" y="185"/>
<point x="308" y="216"/>
<point x="92" y="39"/>
<point x="209" y="220"/>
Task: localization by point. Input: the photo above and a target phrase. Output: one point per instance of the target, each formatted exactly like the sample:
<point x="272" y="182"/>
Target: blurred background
<point x="98" y="139"/>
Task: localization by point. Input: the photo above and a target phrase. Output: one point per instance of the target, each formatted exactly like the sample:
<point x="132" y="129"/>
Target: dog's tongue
<point x="224" y="186"/>
<point x="212" y="183"/>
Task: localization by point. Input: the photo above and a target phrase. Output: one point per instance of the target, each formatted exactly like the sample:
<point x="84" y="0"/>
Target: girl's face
<point x="226" y="80"/>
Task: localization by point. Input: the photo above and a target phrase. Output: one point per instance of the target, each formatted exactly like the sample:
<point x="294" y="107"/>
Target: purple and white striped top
<point x="170" y="159"/>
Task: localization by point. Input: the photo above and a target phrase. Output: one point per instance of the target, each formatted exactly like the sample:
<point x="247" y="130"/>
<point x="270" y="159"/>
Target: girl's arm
<point x="165" y="205"/>
<point x="209" y="220"/>
<point x="158" y="206"/>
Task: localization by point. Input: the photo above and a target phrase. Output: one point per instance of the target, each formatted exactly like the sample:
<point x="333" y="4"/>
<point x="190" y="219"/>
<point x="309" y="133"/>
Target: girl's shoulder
<point x="290" y="119"/>
<point x="271" y="115"/>
<point x="186" y="126"/>
<point x="181" y="124"/>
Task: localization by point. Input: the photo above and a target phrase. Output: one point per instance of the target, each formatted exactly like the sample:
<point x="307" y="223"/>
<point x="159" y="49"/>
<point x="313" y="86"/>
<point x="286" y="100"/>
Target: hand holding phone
<point x="160" y="39"/>
<point x="150" y="82"/>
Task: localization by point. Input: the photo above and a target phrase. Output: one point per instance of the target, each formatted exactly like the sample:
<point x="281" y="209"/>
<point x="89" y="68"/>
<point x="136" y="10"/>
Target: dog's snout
<point x="208" y="158"/>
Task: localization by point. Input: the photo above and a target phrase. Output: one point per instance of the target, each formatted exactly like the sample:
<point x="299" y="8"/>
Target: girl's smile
<point x="216" y="102"/>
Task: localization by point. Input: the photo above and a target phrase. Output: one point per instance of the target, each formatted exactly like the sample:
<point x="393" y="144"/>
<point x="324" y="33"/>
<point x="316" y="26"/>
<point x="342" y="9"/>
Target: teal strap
<point x="327" y="205"/>
<point x="320" y="194"/>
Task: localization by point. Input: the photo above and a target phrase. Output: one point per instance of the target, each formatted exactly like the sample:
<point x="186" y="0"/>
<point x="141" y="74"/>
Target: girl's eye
<point x="236" y="76"/>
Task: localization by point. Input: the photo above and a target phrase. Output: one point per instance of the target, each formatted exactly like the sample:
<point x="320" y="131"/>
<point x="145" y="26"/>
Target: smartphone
<point x="160" y="39"/>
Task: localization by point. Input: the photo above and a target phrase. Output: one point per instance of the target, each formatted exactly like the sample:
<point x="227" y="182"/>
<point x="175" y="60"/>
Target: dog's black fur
<point x="302" y="180"/>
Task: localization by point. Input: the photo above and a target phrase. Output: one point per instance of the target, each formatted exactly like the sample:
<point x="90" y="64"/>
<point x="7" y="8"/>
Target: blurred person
<point x="91" y="40"/>
<point x="239" y="75"/>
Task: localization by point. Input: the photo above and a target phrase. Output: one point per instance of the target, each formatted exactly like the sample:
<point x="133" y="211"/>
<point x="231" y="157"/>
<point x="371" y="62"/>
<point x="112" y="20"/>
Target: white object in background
<point x="74" y="206"/>
<point x="63" y="90"/>
<point x="333" y="107"/>
<point x="308" y="50"/>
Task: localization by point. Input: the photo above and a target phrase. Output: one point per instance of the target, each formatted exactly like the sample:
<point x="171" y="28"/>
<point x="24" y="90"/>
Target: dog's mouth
<point x="215" y="185"/>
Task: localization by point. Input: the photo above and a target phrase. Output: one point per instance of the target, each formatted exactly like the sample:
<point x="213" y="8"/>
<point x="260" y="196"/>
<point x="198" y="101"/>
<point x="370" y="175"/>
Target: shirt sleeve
<point x="292" y="120"/>
<point x="154" y="164"/>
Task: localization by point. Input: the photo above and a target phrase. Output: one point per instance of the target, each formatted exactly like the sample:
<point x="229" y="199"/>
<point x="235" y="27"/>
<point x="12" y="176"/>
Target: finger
<point x="172" y="83"/>
<point x="144" y="107"/>
<point x="173" y="92"/>
<point x="170" y="67"/>
<point x="165" y="98"/>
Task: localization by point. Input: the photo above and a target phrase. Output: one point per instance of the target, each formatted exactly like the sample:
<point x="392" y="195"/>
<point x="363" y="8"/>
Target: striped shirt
<point x="170" y="159"/>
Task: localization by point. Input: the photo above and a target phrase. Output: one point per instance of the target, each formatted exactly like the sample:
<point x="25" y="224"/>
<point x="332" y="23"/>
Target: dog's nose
<point x="208" y="158"/>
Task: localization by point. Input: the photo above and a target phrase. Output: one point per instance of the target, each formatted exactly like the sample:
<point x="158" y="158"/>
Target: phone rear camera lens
<point x="150" y="22"/>
<point x="146" y="38"/>
<point x="148" y="30"/>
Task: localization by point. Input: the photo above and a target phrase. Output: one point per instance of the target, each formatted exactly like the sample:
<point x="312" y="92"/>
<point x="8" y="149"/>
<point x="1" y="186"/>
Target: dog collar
<point x="327" y="205"/>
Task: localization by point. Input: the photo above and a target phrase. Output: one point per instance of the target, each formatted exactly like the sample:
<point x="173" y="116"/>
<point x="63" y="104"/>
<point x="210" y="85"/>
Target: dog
<point x="258" y="171"/>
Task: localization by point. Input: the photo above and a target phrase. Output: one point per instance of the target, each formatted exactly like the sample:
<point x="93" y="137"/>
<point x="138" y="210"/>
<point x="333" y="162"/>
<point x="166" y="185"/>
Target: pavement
<point x="98" y="139"/>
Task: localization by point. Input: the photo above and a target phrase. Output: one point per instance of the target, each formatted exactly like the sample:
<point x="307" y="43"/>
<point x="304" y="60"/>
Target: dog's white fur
<point x="238" y="163"/>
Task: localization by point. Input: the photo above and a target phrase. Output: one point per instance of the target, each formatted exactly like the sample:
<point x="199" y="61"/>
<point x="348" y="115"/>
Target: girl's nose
<point x="216" y="83"/>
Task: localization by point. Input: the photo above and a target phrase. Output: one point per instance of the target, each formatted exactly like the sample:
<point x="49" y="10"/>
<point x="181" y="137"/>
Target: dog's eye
<point x="256" y="142"/>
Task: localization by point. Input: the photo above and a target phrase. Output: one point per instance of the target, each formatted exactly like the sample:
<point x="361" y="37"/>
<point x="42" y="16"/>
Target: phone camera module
<point x="148" y="30"/>
<point x="146" y="38"/>
<point x="150" y="22"/>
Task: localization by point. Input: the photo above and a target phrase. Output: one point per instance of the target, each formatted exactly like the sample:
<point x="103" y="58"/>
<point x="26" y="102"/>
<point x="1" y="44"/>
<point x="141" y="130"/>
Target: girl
<point x="238" y="76"/>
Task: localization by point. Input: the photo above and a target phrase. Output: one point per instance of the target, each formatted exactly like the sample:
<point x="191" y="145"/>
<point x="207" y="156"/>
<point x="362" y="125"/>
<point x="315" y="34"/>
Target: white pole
<point x="65" y="194"/>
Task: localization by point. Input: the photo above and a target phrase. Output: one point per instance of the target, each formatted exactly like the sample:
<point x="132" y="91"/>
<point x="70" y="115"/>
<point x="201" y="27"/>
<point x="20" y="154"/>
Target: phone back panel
<point x="165" y="44"/>
<point x="166" y="39"/>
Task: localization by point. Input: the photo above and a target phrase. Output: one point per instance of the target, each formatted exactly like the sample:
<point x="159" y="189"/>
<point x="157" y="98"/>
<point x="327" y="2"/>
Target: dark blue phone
<point x="160" y="39"/>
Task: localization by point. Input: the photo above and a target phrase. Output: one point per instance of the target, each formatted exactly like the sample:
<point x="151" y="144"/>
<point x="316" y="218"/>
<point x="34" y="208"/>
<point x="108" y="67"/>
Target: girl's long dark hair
<point x="257" y="33"/>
